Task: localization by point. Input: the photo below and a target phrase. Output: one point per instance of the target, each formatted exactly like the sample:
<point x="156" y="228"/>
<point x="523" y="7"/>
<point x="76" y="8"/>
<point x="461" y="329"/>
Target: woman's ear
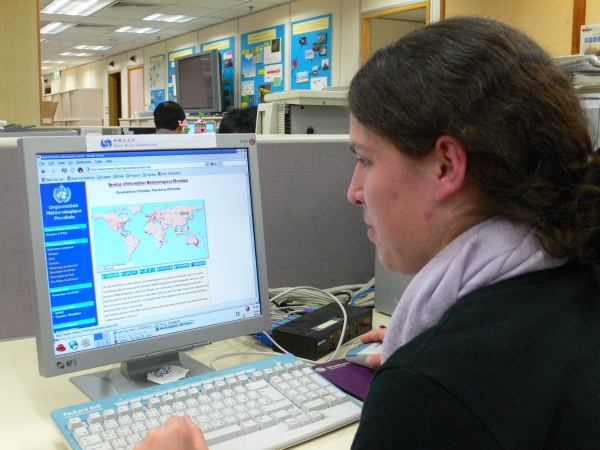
<point x="451" y="158"/>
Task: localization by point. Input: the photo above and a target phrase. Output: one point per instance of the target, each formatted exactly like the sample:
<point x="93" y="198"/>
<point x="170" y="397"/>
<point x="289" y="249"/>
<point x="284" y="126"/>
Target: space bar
<point x="280" y="436"/>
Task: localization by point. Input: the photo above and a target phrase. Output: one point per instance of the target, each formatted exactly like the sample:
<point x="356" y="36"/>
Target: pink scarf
<point x="491" y="251"/>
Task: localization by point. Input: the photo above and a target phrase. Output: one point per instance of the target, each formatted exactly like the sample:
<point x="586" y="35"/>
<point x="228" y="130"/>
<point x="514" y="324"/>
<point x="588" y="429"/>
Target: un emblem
<point x="106" y="143"/>
<point x="62" y="194"/>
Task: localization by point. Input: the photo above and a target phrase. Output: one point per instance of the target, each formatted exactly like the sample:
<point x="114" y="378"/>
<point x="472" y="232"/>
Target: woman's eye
<point x="362" y="161"/>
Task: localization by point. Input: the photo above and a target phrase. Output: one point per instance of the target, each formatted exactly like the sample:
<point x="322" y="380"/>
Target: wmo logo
<point x="62" y="194"/>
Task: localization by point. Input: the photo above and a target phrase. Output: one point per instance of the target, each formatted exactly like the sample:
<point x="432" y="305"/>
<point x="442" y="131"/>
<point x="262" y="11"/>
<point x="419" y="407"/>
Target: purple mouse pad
<point x="349" y="377"/>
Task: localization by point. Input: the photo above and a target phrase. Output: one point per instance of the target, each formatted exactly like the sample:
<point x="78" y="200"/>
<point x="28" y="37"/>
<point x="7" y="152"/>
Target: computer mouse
<point x="358" y="354"/>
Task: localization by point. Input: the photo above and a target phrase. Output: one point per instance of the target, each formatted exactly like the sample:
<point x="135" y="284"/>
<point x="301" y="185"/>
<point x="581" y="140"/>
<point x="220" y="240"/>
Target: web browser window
<point x="146" y="243"/>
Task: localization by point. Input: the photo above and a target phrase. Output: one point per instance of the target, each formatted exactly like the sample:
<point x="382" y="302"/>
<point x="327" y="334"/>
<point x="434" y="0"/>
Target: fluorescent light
<point x="169" y="18"/>
<point x="53" y="62"/>
<point x="75" y="7"/>
<point x="75" y="54"/>
<point x="92" y="47"/>
<point x="55" y="28"/>
<point x="146" y="30"/>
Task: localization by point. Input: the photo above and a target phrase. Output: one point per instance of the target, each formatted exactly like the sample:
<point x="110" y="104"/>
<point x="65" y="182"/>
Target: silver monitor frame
<point x="132" y="374"/>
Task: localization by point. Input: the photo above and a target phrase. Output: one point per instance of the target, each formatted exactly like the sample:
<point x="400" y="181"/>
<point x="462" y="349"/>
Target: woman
<point x="475" y="172"/>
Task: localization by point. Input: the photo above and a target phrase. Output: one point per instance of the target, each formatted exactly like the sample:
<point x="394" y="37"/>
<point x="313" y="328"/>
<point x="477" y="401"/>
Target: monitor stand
<point x="132" y="375"/>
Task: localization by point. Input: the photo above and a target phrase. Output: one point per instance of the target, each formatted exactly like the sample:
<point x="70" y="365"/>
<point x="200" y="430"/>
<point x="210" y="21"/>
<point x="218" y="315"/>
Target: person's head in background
<point x="167" y="116"/>
<point x="239" y="120"/>
<point x="461" y="121"/>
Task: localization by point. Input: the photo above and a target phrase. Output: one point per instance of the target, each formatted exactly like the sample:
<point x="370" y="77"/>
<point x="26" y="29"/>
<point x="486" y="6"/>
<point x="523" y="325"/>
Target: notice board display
<point x="262" y="68"/>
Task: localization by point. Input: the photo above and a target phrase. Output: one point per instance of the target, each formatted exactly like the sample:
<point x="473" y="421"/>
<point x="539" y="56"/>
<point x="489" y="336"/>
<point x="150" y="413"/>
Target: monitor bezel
<point x="51" y="365"/>
<point x="216" y="84"/>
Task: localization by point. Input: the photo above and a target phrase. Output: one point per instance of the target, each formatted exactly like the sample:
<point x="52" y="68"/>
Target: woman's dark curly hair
<point x="513" y="109"/>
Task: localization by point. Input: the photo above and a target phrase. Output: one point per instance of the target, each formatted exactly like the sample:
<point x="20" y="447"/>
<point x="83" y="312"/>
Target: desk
<point x="28" y="398"/>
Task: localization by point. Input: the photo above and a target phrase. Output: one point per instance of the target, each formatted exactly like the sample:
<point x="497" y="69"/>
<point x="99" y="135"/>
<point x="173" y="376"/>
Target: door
<point x="114" y="98"/>
<point x="380" y="28"/>
<point x="136" y="89"/>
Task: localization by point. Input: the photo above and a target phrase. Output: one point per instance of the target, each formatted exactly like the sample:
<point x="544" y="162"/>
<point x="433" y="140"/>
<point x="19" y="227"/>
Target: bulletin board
<point x="172" y="91"/>
<point x="226" y="48"/>
<point x="157" y="80"/>
<point x="311" y="49"/>
<point x="262" y="70"/>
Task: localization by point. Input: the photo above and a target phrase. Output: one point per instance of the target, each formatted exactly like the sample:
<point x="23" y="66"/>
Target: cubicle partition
<point x="314" y="236"/>
<point x="16" y="312"/>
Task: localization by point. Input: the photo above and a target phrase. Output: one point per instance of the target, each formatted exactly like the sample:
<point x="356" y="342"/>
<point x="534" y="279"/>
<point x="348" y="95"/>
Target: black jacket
<point x="515" y="365"/>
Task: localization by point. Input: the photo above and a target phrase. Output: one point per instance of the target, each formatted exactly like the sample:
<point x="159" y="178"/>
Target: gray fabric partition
<point x="314" y="236"/>
<point x="16" y="313"/>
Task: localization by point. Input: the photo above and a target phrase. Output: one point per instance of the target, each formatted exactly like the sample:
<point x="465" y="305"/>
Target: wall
<point x="20" y="89"/>
<point x="592" y="12"/>
<point x="549" y="22"/>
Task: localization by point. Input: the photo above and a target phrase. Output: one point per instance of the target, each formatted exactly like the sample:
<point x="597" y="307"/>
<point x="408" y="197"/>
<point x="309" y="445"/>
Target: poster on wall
<point x="157" y="80"/>
<point x="311" y="48"/>
<point x="225" y="47"/>
<point x="172" y="91"/>
<point x="589" y="41"/>
<point x="262" y="69"/>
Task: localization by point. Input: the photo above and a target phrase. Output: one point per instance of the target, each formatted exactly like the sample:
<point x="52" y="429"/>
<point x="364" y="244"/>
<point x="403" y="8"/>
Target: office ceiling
<point x="99" y="28"/>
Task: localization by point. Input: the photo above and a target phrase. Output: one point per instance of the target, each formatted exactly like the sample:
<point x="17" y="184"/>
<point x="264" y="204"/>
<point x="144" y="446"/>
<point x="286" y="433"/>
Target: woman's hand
<point x="178" y="433"/>
<point x="374" y="361"/>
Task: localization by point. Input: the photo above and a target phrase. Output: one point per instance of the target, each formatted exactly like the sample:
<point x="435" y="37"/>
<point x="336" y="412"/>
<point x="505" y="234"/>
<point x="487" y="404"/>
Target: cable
<point x="305" y="296"/>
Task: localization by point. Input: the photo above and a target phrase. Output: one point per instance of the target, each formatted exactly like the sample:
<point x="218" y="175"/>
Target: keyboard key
<point x="292" y="423"/>
<point x="276" y="406"/>
<point x="119" y="444"/>
<point x="154" y="403"/>
<point x="80" y="432"/>
<point x="108" y="414"/>
<point x="167" y="399"/>
<point x="74" y="422"/>
<point x="123" y="410"/>
<point x="100" y="446"/>
<point x="315" y="416"/>
<point x="87" y="441"/>
<point x="314" y="405"/>
<point x="109" y="436"/>
<point x="94" y="418"/>
<point x="280" y="416"/>
<point x="222" y="435"/>
<point x="136" y="407"/>
<point x="264" y="422"/>
<point x="249" y="426"/>
<point x="96" y="428"/>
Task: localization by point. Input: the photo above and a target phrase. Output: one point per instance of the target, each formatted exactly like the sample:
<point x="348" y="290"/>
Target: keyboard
<point x="272" y="403"/>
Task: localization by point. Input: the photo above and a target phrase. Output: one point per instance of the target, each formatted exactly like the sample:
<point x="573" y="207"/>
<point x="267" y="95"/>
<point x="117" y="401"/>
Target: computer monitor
<point x="199" y="83"/>
<point x="139" y="130"/>
<point x="141" y="247"/>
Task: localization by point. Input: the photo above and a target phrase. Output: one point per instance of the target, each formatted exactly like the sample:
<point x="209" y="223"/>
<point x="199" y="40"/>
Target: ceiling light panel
<point x="75" y="7"/>
<point x="146" y="30"/>
<point x="169" y="18"/>
<point x="75" y="54"/>
<point x="92" y="47"/>
<point x="55" y="27"/>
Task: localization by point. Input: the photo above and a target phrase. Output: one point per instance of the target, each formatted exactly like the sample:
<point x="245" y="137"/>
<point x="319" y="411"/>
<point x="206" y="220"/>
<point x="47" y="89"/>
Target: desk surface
<point x="28" y="398"/>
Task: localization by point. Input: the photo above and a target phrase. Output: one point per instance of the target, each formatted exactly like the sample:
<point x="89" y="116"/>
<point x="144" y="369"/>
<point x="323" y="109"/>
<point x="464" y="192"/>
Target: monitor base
<point x="132" y="375"/>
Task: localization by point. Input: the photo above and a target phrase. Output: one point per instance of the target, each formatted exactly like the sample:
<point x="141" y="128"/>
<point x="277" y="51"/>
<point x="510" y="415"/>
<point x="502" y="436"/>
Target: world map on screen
<point x="150" y="234"/>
